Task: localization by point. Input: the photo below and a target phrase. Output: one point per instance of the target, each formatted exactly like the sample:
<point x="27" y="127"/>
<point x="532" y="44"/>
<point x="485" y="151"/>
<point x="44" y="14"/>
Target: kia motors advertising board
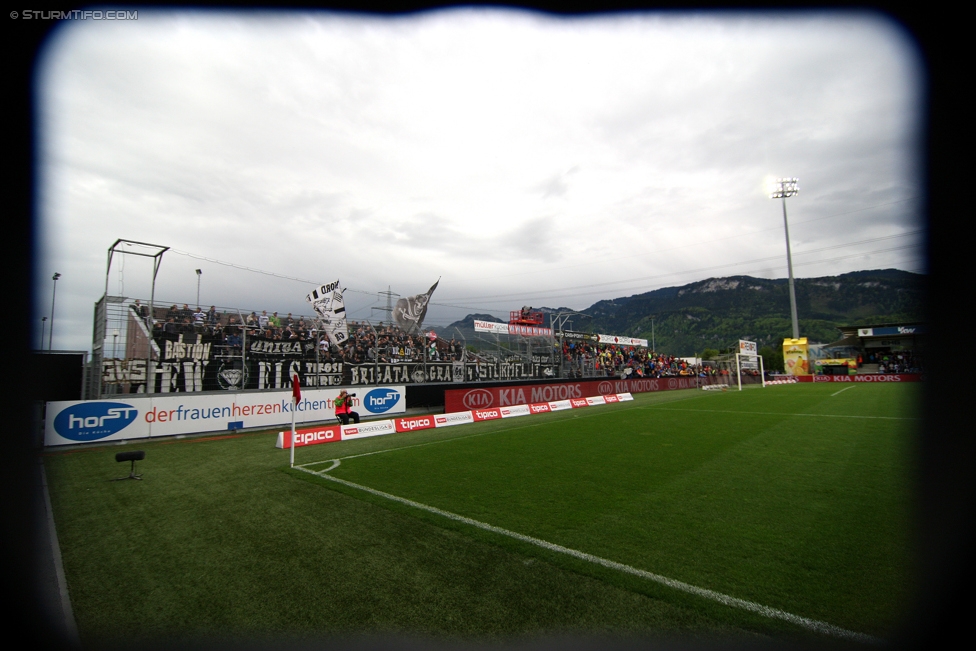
<point x="864" y="377"/>
<point x="89" y="421"/>
<point x="484" y="398"/>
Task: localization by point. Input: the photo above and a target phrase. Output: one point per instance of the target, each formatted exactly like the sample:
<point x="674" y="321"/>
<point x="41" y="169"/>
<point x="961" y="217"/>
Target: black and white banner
<point x="327" y="302"/>
<point x="409" y="312"/>
<point x="199" y="362"/>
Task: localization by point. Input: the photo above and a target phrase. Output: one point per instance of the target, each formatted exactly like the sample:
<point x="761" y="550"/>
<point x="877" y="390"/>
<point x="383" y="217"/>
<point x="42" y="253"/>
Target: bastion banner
<point x="465" y="399"/>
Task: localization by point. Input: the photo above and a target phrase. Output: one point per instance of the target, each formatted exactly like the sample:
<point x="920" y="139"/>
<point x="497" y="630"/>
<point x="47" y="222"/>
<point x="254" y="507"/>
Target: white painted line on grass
<point x="773" y="613"/>
<point x="777" y="413"/>
<point x="841" y="391"/>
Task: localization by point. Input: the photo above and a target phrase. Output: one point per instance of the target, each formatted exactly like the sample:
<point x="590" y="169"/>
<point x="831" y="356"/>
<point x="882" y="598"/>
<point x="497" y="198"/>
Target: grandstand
<point x="228" y="348"/>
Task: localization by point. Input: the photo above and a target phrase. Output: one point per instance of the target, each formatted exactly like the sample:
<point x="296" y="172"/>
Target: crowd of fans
<point x="890" y="362"/>
<point x="364" y="344"/>
<point x="627" y="361"/>
<point x="389" y="344"/>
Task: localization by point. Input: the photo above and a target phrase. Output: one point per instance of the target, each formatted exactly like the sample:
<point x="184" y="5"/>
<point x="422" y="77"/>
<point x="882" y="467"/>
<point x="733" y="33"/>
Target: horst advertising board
<point x="483" y="398"/>
<point x="86" y="421"/>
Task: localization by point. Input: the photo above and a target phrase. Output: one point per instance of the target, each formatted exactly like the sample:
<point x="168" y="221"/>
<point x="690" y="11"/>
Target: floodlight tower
<point x="54" y="292"/>
<point x="199" y="273"/>
<point x="781" y="189"/>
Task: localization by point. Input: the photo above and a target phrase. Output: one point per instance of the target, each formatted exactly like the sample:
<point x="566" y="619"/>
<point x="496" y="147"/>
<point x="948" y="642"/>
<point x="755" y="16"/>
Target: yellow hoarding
<point x="795" y="356"/>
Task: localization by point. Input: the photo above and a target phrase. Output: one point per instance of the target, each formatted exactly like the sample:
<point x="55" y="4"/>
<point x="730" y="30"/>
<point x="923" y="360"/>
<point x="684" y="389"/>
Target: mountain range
<point x="717" y="312"/>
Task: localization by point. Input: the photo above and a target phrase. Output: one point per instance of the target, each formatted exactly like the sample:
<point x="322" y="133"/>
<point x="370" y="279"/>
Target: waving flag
<point x="409" y="312"/>
<point x="327" y="302"/>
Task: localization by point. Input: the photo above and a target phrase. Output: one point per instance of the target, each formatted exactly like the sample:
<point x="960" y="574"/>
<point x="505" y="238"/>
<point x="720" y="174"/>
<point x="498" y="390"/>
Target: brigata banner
<point x="89" y="421"/>
<point x="864" y="377"/>
<point x="484" y="398"/>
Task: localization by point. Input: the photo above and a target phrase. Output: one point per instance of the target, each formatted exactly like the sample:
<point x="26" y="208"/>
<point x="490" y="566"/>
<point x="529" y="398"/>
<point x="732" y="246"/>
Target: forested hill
<point x="717" y="312"/>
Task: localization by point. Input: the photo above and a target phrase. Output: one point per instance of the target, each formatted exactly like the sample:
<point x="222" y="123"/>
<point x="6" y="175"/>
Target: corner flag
<point x="296" y="394"/>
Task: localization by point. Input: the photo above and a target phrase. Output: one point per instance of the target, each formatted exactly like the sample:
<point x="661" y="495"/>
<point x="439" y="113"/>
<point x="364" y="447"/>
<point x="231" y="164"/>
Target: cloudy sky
<point x="520" y="158"/>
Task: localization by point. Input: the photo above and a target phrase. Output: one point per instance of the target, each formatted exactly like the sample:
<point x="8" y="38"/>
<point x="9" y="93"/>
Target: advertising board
<point x="319" y="435"/>
<point x="87" y="421"/>
<point x="796" y="357"/>
<point x="865" y="378"/>
<point x="484" y="398"/>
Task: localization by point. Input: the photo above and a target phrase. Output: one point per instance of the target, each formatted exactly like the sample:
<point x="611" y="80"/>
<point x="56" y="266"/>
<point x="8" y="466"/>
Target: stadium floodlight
<point x="54" y="293"/>
<point x="199" y="273"/>
<point x="782" y="189"/>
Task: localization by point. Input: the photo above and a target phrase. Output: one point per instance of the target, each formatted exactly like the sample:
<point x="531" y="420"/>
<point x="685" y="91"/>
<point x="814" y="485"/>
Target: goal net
<point x="733" y="372"/>
<point x="719" y="374"/>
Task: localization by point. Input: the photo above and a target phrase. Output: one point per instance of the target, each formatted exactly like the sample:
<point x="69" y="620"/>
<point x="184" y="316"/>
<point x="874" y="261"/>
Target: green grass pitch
<point x="794" y="498"/>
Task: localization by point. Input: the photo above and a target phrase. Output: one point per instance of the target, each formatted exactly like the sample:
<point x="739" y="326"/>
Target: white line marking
<point x="842" y="390"/>
<point x="776" y="413"/>
<point x="773" y="613"/>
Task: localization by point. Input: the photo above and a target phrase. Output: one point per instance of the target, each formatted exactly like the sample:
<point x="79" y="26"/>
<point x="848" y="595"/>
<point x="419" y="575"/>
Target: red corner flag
<point x="296" y="388"/>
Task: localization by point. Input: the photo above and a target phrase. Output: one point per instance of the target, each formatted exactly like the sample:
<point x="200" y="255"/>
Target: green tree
<point x="772" y="359"/>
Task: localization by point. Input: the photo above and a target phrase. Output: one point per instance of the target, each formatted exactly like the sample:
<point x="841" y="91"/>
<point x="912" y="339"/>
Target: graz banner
<point x="199" y="362"/>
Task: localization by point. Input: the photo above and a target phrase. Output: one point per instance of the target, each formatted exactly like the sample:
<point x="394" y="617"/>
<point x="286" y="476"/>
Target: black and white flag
<point x="409" y="312"/>
<point x="327" y="302"/>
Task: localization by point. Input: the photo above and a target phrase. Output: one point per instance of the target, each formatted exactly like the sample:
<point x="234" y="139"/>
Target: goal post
<point x="748" y="361"/>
